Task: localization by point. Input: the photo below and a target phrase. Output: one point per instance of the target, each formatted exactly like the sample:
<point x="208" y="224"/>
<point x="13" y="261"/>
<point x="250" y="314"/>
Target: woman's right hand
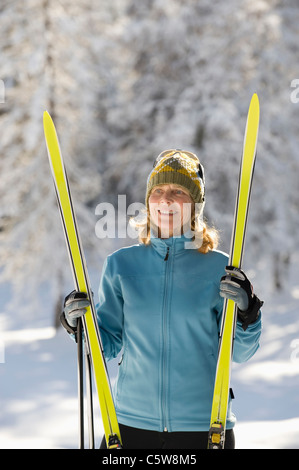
<point x="75" y="306"/>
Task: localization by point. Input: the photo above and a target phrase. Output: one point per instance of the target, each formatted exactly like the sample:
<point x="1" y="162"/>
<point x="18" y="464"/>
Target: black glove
<point x="75" y="306"/>
<point x="237" y="287"/>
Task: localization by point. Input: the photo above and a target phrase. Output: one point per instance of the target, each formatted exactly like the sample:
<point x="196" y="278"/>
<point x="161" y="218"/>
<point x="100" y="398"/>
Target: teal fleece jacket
<point x="160" y="305"/>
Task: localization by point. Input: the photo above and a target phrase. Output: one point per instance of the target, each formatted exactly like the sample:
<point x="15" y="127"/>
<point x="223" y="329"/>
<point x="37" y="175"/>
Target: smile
<point x="167" y="212"/>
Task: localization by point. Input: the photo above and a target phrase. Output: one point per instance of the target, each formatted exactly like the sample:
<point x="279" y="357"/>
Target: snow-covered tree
<point x="189" y="73"/>
<point x="123" y="81"/>
<point x="45" y="66"/>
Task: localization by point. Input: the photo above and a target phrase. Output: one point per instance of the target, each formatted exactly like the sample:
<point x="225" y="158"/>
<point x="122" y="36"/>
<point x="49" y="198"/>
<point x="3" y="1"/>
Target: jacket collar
<point x="173" y="244"/>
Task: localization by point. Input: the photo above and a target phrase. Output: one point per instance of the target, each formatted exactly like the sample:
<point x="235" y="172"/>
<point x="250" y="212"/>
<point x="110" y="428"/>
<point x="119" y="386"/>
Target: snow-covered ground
<point x="266" y="388"/>
<point x="38" y="394"/>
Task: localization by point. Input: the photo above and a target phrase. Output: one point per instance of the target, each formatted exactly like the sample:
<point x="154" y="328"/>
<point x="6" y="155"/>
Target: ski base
<point x="216" y="436"/>
<point x="114" y="442"/>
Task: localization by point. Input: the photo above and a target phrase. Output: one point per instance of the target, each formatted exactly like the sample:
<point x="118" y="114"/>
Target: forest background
<point x="124" y="80"/>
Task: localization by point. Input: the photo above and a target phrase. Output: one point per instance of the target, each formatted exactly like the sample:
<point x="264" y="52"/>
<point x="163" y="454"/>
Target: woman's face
<point x="170" y="209"/>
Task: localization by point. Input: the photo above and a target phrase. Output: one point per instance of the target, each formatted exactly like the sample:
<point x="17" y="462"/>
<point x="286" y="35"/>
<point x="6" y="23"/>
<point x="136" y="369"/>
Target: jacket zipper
<point x="164" y="343"/>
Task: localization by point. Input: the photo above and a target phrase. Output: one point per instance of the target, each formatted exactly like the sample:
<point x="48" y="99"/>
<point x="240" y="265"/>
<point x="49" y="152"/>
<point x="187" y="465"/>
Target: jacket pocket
<point x="122" y="366"/>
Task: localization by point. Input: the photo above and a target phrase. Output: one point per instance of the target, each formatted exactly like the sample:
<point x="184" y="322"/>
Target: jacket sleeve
<point x="247" y="342"/>
<point x="110" y="312"/>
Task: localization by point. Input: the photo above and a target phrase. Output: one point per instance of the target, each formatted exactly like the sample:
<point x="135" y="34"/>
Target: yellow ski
<point x="91" y="330"/>
<point x="223" y="370"/>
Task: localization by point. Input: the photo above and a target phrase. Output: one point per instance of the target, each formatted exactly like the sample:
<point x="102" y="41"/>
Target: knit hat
<point x="178" y="167"/>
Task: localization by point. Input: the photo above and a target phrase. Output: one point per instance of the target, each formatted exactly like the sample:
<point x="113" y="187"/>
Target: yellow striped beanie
<point x="178" y="167"/>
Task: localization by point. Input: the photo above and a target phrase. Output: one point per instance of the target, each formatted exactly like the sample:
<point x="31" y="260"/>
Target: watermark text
<point x="172" y="220"/>
<point x="294" y="97"/>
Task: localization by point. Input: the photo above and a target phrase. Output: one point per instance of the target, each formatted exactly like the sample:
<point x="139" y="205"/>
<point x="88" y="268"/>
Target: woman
<point x="160" y="303"/>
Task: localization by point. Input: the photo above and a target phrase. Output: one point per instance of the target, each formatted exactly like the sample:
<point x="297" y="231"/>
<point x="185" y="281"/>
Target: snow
<point x="282" y="434"/>
<point x="38" y="393"/>
<point x="266" y="387"/>
<point x="39" y="406"/>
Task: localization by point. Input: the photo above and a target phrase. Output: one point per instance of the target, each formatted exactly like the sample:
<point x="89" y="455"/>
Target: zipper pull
<point x="167" y="254"/>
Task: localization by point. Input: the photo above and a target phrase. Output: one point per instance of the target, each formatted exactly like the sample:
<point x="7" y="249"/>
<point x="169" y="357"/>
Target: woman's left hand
<point x="236" y="286"/>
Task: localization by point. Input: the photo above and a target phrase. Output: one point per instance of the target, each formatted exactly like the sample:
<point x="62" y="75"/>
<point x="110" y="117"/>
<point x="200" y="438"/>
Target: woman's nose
<point x="167" y="196"/>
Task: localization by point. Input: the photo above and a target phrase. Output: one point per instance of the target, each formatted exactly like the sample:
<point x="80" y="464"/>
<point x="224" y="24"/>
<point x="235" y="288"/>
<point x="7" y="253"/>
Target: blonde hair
<point x="206" y="238"/>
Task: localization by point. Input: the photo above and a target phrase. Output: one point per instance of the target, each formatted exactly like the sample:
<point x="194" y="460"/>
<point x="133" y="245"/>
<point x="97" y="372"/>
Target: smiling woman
<point x="175" y="200"/>
<point x="160" y="303"/>
<point x="170" y="208"/>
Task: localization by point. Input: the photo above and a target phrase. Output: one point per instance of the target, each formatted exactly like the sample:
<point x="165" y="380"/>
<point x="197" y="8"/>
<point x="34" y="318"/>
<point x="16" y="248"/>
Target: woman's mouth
<point x="168" y="213"/>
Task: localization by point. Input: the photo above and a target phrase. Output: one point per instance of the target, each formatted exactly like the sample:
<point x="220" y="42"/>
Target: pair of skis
<point x="94" y="351"/>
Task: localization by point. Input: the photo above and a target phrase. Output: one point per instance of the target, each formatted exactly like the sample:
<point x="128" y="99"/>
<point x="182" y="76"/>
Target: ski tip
<point x="254" y="107"/>
<point x="49" y="127"/>
<point x="46" y="116"/>
<point x="255" y="98"/>
<point x="48" y="123"/>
